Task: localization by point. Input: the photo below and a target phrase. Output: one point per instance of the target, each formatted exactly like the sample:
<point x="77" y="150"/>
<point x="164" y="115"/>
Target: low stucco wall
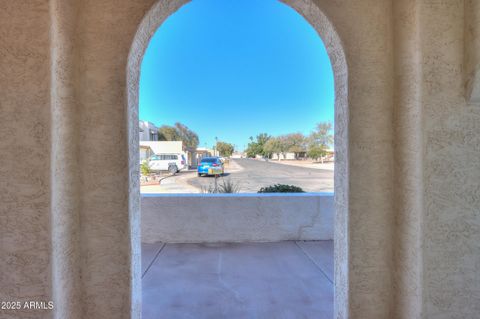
<point x="236" y="218"/>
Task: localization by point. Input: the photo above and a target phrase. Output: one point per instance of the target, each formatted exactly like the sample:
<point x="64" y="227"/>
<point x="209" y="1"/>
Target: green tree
<point x="273" y="146"/>
<point x="189" y="137"/>
<point x="315" y="152"/>
<point x="251" y="150"/>
<point x="256" y="147"/>
<point x="296" y="143"/>
<point x="283" y="145"/>
<point x="225" y="149"/>
<point x="168" y="133"/>
<point x="178" y="132"/>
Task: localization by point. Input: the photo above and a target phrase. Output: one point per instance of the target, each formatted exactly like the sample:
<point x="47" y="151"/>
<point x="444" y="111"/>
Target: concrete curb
<point x="165" y="177"/>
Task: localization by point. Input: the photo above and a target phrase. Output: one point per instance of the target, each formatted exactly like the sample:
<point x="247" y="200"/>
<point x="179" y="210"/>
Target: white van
<point x="167" y="162"/>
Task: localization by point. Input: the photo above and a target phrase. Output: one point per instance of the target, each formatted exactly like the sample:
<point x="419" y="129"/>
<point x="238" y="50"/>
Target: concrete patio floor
<point x="284" y="280"/>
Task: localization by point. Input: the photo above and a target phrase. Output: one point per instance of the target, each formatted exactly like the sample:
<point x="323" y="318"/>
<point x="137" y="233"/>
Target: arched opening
<point x="155" y="17"/>
<point x="253" y="77"/>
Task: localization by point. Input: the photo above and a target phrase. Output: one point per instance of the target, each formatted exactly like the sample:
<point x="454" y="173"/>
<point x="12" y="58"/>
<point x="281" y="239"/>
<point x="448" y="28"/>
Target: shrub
<point x="229" y="187"/>
<point x="281" y="188"/>
<point x="226" y="187"/>
<point x="144" y="168"/>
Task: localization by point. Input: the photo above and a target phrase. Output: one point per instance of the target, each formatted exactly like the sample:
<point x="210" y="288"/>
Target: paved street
<point x="254" y="174"/>
<point x="250" y="175"/>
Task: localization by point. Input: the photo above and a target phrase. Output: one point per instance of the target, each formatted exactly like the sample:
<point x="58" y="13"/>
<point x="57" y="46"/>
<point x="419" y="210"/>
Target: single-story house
<point x="149" y="148"/>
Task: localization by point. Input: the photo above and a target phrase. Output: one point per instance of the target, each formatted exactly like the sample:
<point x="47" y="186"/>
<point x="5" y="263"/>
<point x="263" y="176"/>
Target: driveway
<point x="176" y="184"/>
<point x="255" y="174"/>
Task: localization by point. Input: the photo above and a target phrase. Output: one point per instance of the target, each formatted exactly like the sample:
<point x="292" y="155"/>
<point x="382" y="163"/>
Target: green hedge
<point x="281" y="188"/>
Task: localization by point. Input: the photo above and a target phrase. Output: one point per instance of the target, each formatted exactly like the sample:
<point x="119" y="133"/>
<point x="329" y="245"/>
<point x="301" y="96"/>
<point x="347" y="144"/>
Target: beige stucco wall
<point x="164" y="147"/>
<point x="68" y="188"/>
<point x="451" y="162"/>
<point x="25" y="245"/>
<point x="231" y="218"/>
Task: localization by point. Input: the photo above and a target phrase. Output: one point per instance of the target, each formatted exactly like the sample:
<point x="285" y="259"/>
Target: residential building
<point x="148" y="131"/>
<point x="303" y="155"/>
<point x="148" y="148"/>
<point x="204" y="152"/>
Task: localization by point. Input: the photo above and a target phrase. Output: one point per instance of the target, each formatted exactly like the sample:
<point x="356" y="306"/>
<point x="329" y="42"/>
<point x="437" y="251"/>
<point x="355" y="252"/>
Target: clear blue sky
<point x="237" y="68"/>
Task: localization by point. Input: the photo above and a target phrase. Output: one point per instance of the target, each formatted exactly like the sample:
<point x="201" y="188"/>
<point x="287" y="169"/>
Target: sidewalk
<point x="172" y="185"/>
<point x="178" y="184"/>
<point x="233" y="167"/>
<point x="307" y="164"/>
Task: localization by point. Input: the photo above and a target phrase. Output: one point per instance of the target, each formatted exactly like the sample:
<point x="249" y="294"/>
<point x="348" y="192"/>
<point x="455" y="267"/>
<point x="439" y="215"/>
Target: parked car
<point x="167" y="162"/>
<point x="210" y="166"/>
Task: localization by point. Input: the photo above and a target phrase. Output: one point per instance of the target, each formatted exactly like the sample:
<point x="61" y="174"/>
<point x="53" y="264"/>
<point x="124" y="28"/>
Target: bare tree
<point x="319" y="140"/>
<point x="322" y="135"/>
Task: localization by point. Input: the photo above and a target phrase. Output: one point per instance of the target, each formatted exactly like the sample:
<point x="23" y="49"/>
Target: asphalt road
<point x="254" y="174"/>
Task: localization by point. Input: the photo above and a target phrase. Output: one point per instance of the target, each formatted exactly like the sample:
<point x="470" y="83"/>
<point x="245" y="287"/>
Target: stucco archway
<point x="314" y="15"/>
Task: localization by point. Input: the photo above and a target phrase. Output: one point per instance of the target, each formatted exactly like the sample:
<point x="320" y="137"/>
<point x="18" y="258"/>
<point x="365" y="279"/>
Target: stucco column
<point x="366" y="29"/>
<point x="64" y="160"/>
<point x="408" y="161"/>
<point x="472" y="50"/>
<point x="110" y="220"/>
